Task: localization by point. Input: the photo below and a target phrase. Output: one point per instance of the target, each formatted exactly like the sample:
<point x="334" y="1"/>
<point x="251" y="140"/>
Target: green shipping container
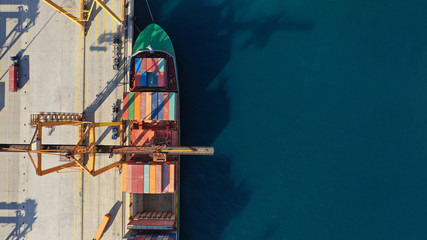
<point x="131" y="106"/>
<point x="172" y="106"/>
<point x="146" y="178"/>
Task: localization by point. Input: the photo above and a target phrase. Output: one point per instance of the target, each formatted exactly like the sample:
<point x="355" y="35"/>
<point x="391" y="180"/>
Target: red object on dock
<point x="13" y="78"/>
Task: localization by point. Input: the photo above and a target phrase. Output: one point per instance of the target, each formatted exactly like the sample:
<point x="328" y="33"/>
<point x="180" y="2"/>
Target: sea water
<point x="317" y="112"/>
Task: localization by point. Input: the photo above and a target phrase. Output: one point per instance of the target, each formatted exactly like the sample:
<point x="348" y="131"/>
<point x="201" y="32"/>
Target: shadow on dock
<point x="90" y="110"/>
<point x="25" y="216"/>
<point x="2" y="95"/>
<point x="8" y="39"/>
<point x="113" y="213"/>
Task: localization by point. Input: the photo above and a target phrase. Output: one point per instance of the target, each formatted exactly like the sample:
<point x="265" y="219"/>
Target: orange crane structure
<point x="82" y="154"/>
<point x="84" y="12"/>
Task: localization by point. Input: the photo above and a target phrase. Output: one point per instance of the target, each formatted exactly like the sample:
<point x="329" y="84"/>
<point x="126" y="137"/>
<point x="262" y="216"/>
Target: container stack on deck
<point x="131" y="235"/>
<point x="140" y="177"/>
<point x="152" y="109"/>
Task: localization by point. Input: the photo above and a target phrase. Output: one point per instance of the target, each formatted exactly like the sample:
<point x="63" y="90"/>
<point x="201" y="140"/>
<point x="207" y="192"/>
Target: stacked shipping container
<point x="151" y="183"/>
<point x="138" y="177"/>
<point x="150" y="72"/>
<point x="142" y="106"/>
<point x="144" y="137"/>
<point x="152" y="235"/>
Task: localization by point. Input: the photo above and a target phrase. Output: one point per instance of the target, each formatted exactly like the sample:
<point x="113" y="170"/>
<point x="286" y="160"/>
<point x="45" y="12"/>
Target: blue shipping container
<point x="144" y="79"/>
<point x="154" y="112"/>
<point x="160" y="106"/>
<point x="153" y="79"/>
<point x="137" y="64"/>
<point x="146" y="178"/>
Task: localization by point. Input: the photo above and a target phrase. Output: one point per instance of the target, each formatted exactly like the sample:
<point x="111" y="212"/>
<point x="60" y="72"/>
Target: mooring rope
<point x="149" y="9"/>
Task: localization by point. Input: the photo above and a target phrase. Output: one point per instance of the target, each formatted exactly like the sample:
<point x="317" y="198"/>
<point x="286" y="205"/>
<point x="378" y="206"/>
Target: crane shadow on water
<point x="202" y="34"/>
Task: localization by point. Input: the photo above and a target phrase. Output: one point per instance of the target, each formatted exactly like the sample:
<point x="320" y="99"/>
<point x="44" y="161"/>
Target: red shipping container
<point x="140" y="178"/>
<point x="144" y="65"/>
<point x="136" y="133"/>
<point x="137" y="81"/>
<point x="13" y="78"/>
<point x="134" y="178"/>
<point x="166" y="106"/>
<point x="158" y="178"/>
<point x="125" y="106"/>
<point x="165" y="178"/>
<point x="149" y="222"/>
<point x="161" y="79"/>
<point x="141" y="137"/>
<point x="128" y="178"/>
<point x="174" y="141"/>
<point x="152" y="65"/>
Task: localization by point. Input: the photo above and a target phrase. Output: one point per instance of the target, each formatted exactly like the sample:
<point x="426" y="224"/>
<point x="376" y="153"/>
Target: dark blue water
<point x="316" y="109"/>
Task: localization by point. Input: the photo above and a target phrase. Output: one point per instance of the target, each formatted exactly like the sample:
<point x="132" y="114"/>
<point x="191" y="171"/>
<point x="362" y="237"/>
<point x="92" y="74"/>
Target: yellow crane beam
<point x="111" y="13"/>
<point x="64" y="12"/>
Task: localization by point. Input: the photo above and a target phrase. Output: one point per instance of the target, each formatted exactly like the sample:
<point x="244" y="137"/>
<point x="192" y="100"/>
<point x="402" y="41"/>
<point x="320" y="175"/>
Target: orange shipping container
<point x="158" y="178"/>
<point x="152" y="178"/>
<point x="124" y="165"/>
<point x="172" y="177"/>
<point x="137" y="105"/>
<point x="148" y="106"/>
<point x="142" y="105"/>
<point x="152" y="65"/>
<point x="128" y="178"/>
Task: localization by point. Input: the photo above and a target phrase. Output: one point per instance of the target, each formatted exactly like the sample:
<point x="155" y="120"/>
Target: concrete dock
<point x="61" y="70"/>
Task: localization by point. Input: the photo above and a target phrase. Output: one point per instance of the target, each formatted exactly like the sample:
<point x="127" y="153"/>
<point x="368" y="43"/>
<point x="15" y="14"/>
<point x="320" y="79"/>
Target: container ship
<point x="152" y="109"/>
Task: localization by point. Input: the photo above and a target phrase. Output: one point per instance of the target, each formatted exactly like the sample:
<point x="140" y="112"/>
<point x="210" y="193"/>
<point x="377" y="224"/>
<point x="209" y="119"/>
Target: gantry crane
<point x="86" y="150"/>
